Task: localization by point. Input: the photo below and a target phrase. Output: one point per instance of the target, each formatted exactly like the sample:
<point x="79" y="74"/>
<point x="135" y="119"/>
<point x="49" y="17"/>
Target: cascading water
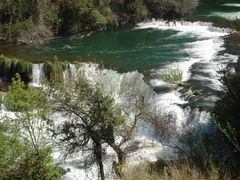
<point x="200" y="71"/>
<point x="202" y="64"/>
<point x="37" y="74"/>
<point x="228" y="15"/>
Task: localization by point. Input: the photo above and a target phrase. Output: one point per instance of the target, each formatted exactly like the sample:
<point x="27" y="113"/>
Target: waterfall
<point x="37" y="74"/>
<point x="202" y="66"/>
<point x="173" y="107"/>
<point x="184" y="26"/>
<point x="172" y="104"/>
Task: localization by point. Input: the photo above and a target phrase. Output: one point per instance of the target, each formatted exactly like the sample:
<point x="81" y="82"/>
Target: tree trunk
<point x="98" y="155"/>
<point x="121" y="159"/>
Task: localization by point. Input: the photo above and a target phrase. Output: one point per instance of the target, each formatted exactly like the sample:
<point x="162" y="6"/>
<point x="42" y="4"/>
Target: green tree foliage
<point x="79" y="16"/>
<point x="50" y="16"/>
<point x="27" y="144"/>
<point x="226" y="116"/>
<point x="13" y="15"/>
<point x="12" y="10"/>
<point x="137" y="9"/>
<point x="18" y="161"/>
<point x="38" y="166"/>
<point x="170" y="8"/>
<point x="91" y="119"/>
<point x="10" y="150"/>
<point x="21" y="98"/>
<point x="227" y="109"/>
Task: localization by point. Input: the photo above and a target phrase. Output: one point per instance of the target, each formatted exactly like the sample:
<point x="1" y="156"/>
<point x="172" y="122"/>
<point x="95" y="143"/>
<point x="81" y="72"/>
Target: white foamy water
<point x="204" y="50"/>
<point x="168" y="106"/>
<point x="37" y="75"/>
<point x="232" y="4"/>
<point x="227" y="15"/>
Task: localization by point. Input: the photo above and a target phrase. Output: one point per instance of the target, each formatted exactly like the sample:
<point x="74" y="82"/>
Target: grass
<point x="170" y="171"/>
<point x="171" y="75"/>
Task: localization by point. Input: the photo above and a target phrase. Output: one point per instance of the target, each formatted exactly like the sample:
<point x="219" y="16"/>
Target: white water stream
<point x="228" y="15"/>
<point x="203" y="52"/>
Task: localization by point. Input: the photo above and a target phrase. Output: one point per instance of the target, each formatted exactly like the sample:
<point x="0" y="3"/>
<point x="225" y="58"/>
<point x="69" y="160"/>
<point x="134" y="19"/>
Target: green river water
<point x="124" y="49"/>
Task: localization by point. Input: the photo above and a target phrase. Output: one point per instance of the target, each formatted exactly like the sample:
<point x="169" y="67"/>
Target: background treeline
<point x="30" y="21"/>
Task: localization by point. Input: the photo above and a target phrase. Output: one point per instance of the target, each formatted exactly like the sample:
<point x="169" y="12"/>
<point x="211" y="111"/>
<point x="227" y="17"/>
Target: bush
<point x="226" y="116"/>
<point x="227" y="109"/>
<point x="170" y="8"/>
<point x="98" y="18"/>
<point x="24" y="153"/>
<point x="37" y="166"/>
<point x="20" y="161"/>
<point x="11" y="150"/>
<point x="21" y="98"/>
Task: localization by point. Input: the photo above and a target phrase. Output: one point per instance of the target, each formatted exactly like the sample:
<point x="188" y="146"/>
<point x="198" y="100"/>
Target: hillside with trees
<point x="33" y="21"/>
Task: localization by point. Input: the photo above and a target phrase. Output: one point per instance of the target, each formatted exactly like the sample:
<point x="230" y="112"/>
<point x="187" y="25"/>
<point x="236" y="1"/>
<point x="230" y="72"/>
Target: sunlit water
<point x="150" y="47"/>
<point x="225" y="9"/>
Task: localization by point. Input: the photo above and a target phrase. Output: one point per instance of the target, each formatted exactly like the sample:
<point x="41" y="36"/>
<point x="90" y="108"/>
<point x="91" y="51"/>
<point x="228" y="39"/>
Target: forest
<point x="32" y="21"/>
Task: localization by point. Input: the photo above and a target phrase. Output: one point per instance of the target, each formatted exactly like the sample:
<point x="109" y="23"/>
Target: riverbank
<point x="32" y="23"/>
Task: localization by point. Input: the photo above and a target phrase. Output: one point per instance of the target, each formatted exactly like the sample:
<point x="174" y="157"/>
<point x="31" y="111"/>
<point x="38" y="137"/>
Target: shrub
<point x="226" y="116"/>
<point x="20" y="161"/>
<point x="98" y="18"/>
<point x="20" y="98"/>
<point x="37" y="166"/>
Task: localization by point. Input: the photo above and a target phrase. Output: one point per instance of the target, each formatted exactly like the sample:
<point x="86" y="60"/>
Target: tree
<point x="11" y="149"/>
<point x="91" y="119"/>
<point x="227" y="109"/>
<point x="34" y="160"/>
<point x="30" y="103"/>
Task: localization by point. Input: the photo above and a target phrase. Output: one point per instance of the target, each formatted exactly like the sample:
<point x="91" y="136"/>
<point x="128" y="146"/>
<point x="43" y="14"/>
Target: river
<point x="146" y="50"/>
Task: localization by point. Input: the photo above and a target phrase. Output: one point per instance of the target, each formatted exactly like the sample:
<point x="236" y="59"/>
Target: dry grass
<point x="170" y="172"/>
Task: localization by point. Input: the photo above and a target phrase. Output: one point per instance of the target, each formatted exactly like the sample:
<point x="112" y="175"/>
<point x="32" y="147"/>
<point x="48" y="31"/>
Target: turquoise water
<point x="218" y="9"/>
<point x="125" y="49"/>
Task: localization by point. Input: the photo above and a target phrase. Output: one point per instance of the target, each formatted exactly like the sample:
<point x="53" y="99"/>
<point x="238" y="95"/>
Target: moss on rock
<point x="54" y="70"/>
<point x="10" y="66"/>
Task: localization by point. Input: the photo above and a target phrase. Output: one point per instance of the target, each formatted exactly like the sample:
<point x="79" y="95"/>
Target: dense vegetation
<point x="25" y="151"/>
<point x="31" y="21"/>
